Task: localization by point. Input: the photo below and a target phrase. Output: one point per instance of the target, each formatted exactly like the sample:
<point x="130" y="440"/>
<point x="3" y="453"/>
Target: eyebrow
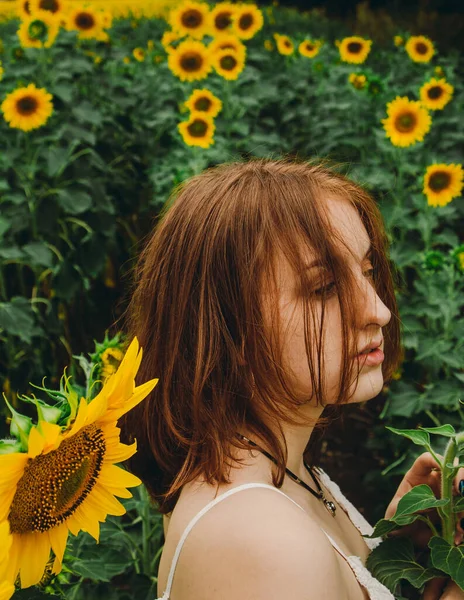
<point x="318" y="263"/>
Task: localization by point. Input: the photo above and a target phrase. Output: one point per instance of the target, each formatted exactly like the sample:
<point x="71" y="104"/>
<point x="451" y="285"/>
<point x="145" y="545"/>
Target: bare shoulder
<point x="257" y="544"/>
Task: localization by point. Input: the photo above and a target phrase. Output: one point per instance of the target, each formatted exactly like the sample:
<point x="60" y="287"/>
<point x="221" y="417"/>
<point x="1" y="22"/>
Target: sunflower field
<point x="105" y="106"/>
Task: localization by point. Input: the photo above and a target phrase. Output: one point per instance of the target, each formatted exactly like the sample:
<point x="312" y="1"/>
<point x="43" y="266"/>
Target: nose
<point x="372" y="310"/>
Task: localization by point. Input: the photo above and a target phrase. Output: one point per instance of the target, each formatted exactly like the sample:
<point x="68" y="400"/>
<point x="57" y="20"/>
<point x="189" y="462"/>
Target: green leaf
<point x="18" y="318"/>
<point x="421" y="497"/>
<point x="10" y="446"/>
<point x="446" y="430"/>
<point x="421" y="438"/>
<point x="394" y="559"/>
<point x="459" y="505"/>
<point x="4" y="226"/>
<point x="74" y="201"/>
<point x="448" y="558"/>
<point x="39" y="254"/>
<point x="86" y="113"/>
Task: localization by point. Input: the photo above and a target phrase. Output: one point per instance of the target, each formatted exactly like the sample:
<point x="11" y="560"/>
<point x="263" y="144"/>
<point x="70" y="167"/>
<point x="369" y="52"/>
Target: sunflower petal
<point x="111" y="475"/>
<point x="36" y="442"/>
<point x="58" y="538"/>
<point x="35" y="553"/>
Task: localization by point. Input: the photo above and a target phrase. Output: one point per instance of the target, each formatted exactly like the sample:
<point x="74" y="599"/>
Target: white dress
<point x="375" y="589"/>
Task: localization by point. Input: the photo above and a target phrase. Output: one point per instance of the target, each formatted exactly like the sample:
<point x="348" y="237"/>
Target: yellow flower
<point x="190" y="61"/>
<point x="436" y="93"/>
<point x="268" y="45"/>
<point x="284" y="44"/>
<point x="354" y="49"/>
<point x="6" y="539"/>
<point x="198" y="130"/>
<point x="139" y="54"/>
<point x="110" y="358"/>
<point x="66" y="481"/>
<point x="442" y="183"/>
<point x="407" y="122"/>
<point x="27" y="108"/>
<point x="55" y="7"/>
<point x="221" y="17"/>
<point x="23" y="8"/>
<point x="420" y="48"/>
<point x="309" y="48"/>
<point x="204" y="101"/>
<point x="190" y="18"/>
<point x="225" y="41"/>
<point x="398" y="40"/>
<point x="228" y="63"/>
<point x="439" y="71"/>
<point x="150" y="45"/>
<point x="126" y="60"/>
<point x="39" y="30"/>
<point x="1" y="72"/>
<point x="358" y="81"/>
<point x="247" y="21"/>
<point x="168" y="37"/>
<point x="106" y="19"/>
<point x="87" y="21"/>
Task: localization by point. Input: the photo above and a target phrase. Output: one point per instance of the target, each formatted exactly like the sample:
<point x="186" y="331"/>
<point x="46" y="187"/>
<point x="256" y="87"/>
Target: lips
<point x="372" y="346"/>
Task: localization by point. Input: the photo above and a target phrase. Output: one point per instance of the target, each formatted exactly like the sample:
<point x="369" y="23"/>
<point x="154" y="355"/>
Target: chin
<point x="370" y="384"/>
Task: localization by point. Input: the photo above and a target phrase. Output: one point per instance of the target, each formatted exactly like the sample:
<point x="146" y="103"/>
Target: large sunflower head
<point x="420" y="48"/>
<point x="87" y="21"/>
<point x="226" y="41"/>
<point x="436" y="93"/>
<point x="228" y="63"/>
<point x="190" y="61"/>
<point x="27" y="108"/>
<point x="64" y="477"/>
<point x="56" y="7"/>
<point x="198" y="130"/>
<point x="247" y="21"/>
<point x="205" y="102"/>
<point x="309" y="48"/>
<point x="221" y="17"/>
<point x="191" y="18"/>
<point x="407" y="121"/>
<point x="354" y="49"/>
<point x="284" y="44"/>
<point x="39" y="30"/>
<point x="442" y="183"/>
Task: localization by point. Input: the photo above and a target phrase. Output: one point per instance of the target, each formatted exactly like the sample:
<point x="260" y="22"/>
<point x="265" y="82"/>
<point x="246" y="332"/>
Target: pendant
<point x="330" y="506"/>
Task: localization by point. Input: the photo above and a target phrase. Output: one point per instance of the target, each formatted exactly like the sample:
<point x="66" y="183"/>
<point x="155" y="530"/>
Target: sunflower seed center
<point x="354" y="47"/>
<point x="84" y="21"/>
<point x="203" y="104"/>
<point x="439" y="181"/>
<point x="435" y="92"/>
<point x="191" y="18"/>
<point x="197" y="128"/>
<point x="50" y="5"/>
<point x="228" y="62"/>
<point x="421" y="48"/>
<point x="191" y="61"/>
<point x="405" y="122"/>
<point x="223" y="20"/>
<point x="27" y="105"/>
<point x="55" y="484"/>
<point x="245" y="22"/>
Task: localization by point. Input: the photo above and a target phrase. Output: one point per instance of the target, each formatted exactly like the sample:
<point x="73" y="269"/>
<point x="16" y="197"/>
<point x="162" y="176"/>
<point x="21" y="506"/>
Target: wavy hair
<point x="196" y="307"/>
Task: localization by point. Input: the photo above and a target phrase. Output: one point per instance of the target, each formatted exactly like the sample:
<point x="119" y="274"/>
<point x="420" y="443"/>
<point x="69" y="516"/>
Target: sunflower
<point x="167" y="39"/>
<point x="86" y="20"/>
<point x="54" y="6"/>
<point x="6" y="539"/>
<point x="191" y="18"/>
<point x="1" y="71"/>
<point x="439" y="71"/>
<point x="309" y="48"/>
<point x="436" y="93"/>
<point x="354" y="49"/>
<point x="204" y="102"/>
<point x="442" y="183"/>
<point x="420" y="48"/>
<point x="198" y="130"/>
<point x="110" y="359"/>
<point x="27" y="108"/>
<point x="398" y="40"/>
<point x="226" y="41"/>
<point x="39" y="30"/>
<point x="268" y="45"/>
<point x="190" y="61"/>
<point x="221" y="17"/>
<point x="139" y="54"/>
<point x="284" y="44"/>
<point x="23" y="9"/>
<point x="407" y="121"/>
<point x="228" y="63"/>
<point x="66" y="481"/>
<point x="357" y="80"/>
<point x="247" y="21"/>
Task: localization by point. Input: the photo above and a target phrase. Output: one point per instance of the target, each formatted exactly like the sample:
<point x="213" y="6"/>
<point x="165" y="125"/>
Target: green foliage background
<point x="78" y="196"/>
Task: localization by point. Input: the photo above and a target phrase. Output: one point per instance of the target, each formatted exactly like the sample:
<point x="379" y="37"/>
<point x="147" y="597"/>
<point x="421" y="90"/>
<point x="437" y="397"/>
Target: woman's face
<point x="371" y="314"/>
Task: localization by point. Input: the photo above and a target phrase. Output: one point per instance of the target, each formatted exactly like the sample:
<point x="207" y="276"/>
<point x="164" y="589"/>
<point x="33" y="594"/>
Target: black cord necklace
<point x="330" y="506"/>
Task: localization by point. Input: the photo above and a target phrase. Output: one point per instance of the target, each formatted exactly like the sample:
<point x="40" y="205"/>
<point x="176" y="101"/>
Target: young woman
<point x="264" y="295"/>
